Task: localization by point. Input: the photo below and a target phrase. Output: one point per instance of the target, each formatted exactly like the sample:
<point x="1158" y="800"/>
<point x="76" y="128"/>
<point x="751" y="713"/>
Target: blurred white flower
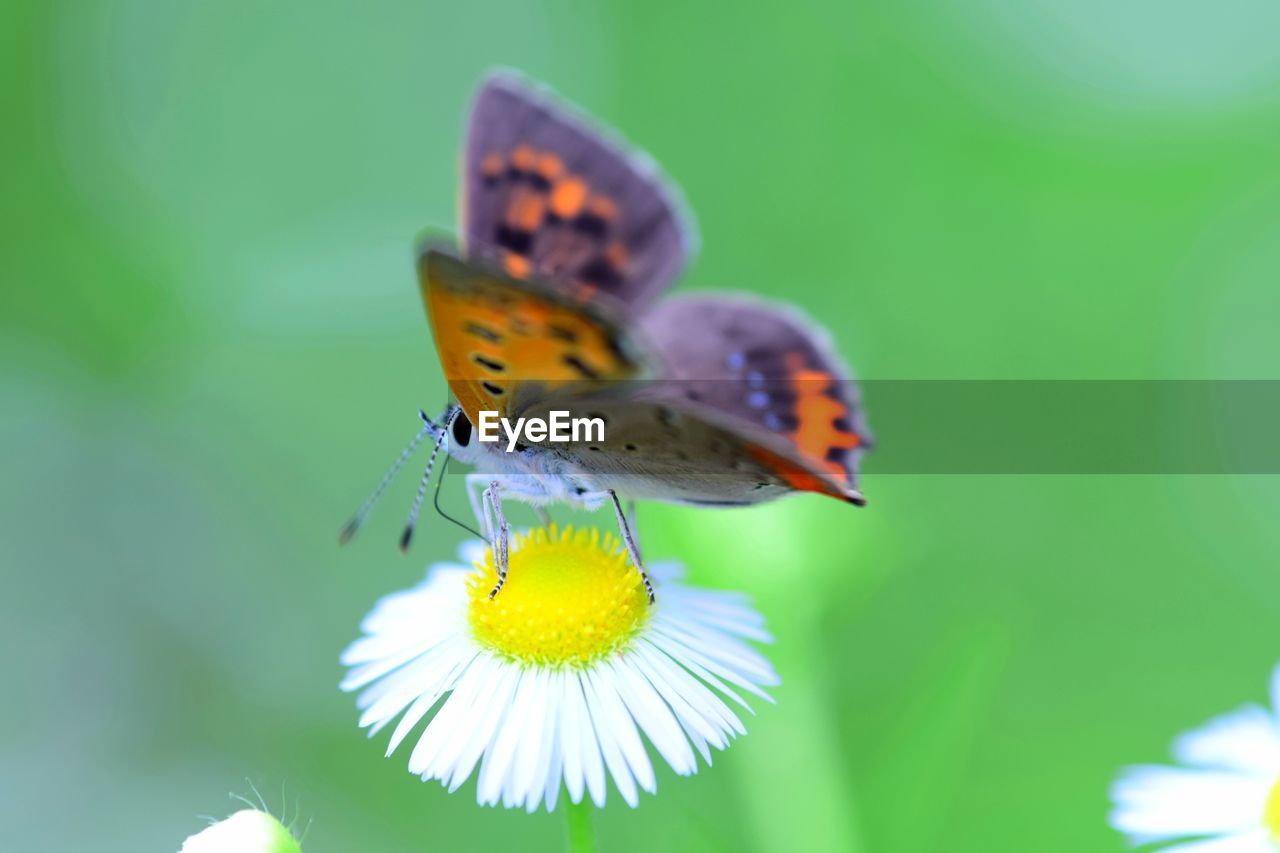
<point x="556" y="678"/>
<point x="1226" y="797"/>
<point x="246" y="831"/>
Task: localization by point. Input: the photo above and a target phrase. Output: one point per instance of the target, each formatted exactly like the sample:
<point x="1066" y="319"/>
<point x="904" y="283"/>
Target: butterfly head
<point x="460" y="439"/>
<point x="459" y="433"/>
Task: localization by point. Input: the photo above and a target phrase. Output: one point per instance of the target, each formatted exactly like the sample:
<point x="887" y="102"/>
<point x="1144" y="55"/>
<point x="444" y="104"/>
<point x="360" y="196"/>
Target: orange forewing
<point x="500" y="339"/>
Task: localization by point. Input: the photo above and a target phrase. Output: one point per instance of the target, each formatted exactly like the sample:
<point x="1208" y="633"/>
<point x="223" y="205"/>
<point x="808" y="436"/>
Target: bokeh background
<point x="211" y="344"/>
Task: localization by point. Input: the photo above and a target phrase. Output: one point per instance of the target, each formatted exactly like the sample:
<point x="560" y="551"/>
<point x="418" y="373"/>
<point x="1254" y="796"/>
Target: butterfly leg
<point x="631" y="519"/>
<point x="475" y="487"/>
<point x="630" y="541"/>
<point x="501" y="539"/>
<point x="544" y="517"/>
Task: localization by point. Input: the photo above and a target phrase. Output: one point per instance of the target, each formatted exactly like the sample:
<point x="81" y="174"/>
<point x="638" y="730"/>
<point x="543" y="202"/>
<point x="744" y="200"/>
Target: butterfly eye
<point x="461" y="430"/>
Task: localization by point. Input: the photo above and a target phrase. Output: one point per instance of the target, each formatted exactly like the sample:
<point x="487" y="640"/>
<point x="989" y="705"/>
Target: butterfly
<point x="554" y="301"/>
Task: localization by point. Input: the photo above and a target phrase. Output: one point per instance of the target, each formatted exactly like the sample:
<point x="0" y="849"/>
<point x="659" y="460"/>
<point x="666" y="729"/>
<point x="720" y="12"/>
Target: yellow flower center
<point x="571" y="598"/>
<point x="1271" y="812"/>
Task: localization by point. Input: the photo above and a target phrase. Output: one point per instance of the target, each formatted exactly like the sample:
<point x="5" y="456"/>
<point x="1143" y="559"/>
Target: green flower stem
<point x="581" y="838"/>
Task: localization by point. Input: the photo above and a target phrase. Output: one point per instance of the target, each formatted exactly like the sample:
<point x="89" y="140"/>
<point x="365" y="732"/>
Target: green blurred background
<point x="211" y="344"/>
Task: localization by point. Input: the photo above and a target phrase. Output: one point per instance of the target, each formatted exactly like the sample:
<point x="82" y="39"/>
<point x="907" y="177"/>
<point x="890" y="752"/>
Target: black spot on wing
<point x="560" y="333"/>
<point x="583" y="369"/>
<point x="488" y="363"/>
<point x="514" y="239"/>
<point x="600" y="273"/>
<point x="482" y="331"/>
<point x="591" y="225"/>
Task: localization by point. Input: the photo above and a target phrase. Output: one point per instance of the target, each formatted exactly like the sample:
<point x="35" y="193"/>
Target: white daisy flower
<point x="556" y="679"/>
<point x="1226" y="796"/>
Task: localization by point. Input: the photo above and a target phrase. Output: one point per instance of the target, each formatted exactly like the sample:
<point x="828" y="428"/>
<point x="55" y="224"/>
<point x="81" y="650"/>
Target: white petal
<point x="375" y="669"/>
<point x="465" y="684"/>
<point x="580" y="745"/>
<point x="695" y="724"/>
<point x="1165" y="803"/>
<point x="570" y="741"/>
<point x="702" y="668"/>
<point x="600" y="723"/>
<point x="686" y="681"/>
<point x="458" y="717"/>
<point x="735" y="627"/>
<point x="530" y="768"/>
<point x="720" y="611"/>
<point x="430" y="673"/>
<point x="419" y="709"/>
<point x="495" y="770"/>
<point x="655" y="719"/>
<point x="592" y="757"/>
<point x="727" y="652"/>
<point x="488" y="722"/>
<point x="399" y="617"/>
<point x="621" y="728"/>
<point x="555" y="779"/>
<point x="531" y="749"/>
<point x="1245" y="740"/>
<point x="555" y="765"/>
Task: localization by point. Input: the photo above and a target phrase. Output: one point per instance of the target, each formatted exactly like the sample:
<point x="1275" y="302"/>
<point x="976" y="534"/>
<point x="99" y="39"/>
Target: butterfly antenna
<point x="362" y="513"/>
<point x="444" y="466"/>
<point x="407" y="536"/>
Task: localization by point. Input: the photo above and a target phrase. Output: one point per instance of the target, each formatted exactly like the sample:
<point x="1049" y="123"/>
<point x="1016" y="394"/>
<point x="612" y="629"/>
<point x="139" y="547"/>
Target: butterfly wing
<point x="773" y="370"/>
<point x="752" y="403"/>
<point x="505" y="343"/>
<point x="546" y="195"/>
<point x="656" y="451"/>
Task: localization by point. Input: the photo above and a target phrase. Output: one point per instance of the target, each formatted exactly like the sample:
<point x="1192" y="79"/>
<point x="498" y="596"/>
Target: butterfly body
<point x="542" y="475"/>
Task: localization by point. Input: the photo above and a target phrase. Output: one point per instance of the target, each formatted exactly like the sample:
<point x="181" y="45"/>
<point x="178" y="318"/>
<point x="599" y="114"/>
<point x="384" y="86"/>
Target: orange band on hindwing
<point x="820" y="433"/>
